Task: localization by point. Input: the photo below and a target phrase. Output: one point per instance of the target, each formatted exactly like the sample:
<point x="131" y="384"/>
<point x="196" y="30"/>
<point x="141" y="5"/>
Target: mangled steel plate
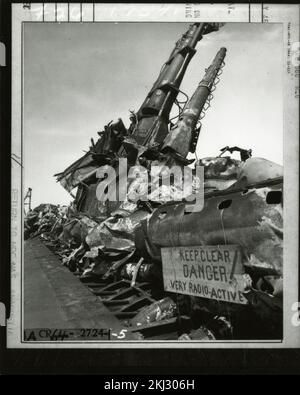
<point x="214" y="272"/>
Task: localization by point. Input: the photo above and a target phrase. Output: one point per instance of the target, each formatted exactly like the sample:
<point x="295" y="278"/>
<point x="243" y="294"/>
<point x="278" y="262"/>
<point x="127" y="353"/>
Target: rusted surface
<point x="154" y="113"/>
<point x="181" y="136"/>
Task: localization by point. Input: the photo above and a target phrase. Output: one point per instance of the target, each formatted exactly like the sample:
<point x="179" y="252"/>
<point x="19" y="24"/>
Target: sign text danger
<point x="213" y="272"/>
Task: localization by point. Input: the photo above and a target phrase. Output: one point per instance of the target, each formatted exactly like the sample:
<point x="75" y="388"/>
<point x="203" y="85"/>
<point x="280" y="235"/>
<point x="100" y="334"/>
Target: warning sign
<point x="214" y="272"/>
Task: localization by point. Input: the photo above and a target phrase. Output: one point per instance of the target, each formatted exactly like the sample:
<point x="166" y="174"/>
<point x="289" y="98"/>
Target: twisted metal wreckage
<point x="130" y="253"/>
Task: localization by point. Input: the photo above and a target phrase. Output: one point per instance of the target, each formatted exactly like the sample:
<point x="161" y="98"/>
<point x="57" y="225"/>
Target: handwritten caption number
<point x="121" y="334"/>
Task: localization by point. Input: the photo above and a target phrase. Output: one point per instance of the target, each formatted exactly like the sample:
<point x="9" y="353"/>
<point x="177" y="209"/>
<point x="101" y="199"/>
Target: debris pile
<point x="117" y="243"/>
<point x="44" y="218"/>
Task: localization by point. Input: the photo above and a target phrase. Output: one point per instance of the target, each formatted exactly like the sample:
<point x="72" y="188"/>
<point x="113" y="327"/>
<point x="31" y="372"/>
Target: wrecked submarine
<point x="163" y="269"/>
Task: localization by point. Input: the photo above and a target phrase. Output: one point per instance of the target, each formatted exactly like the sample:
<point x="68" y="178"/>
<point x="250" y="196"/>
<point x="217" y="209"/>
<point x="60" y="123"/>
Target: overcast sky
<point x="79" y="77"/>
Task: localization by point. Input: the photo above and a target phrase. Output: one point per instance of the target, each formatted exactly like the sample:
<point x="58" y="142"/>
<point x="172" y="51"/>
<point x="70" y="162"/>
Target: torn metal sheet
<point x="246" y="218"/>
<point x="219" y="172"/>
<point x="77" y="172"/>
<point x="76" y="229"/>
<point x="116" y="232"/>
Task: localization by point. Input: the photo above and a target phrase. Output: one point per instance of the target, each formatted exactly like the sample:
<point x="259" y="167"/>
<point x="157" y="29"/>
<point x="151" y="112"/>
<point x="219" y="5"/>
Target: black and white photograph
<point x="154" y="158"/>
